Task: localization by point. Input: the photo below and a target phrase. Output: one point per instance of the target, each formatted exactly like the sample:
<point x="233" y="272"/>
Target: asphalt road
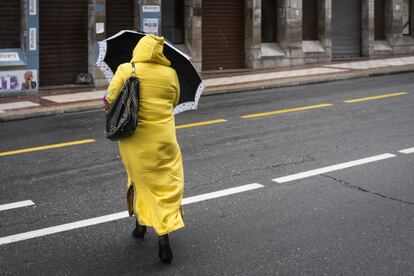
<point x="356" y="220"/>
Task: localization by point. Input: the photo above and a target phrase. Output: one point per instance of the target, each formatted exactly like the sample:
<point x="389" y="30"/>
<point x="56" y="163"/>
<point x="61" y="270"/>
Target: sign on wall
<point x="9" y="56"/>
<point x="151" y="25"/>
<point x="150" y="18"/>
<point x="19" y="80"/>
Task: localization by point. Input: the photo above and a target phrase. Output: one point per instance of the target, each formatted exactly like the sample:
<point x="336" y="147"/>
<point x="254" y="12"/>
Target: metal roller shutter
<point x="63" y="40"/>
<point x="119" y="16"/>
<point x="346" y="28"/>
<point x="223" y="34"/>
<point x="310" y="20"/>
<point x="9" y="24"/>
<point x="379" y="19"/>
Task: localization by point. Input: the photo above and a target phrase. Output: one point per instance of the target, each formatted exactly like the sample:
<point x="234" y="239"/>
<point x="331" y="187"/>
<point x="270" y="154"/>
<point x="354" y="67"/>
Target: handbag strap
<point x="133" y="69"/>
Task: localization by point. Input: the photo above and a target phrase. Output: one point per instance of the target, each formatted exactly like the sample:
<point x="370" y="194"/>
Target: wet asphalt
<point x="354" y="221"/>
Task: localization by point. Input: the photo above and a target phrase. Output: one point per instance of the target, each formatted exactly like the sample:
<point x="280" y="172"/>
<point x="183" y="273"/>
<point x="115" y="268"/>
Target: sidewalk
<point x="21" y="107"/>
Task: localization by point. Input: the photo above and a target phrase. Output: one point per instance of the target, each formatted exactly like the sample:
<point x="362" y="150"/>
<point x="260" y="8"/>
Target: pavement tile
<point x="76" y="97"/>
<point x="17" y="105"/>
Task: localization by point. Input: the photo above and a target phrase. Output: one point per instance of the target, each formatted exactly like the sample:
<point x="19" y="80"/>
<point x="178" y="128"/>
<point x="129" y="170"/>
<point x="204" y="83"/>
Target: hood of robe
<point x="150" y="49"/>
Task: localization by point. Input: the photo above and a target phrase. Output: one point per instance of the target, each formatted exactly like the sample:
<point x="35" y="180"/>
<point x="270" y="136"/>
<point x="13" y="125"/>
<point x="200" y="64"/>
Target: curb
<point x="51" y="111"/>
<point x="210" y="91"/>
<point x="271" y="84"/>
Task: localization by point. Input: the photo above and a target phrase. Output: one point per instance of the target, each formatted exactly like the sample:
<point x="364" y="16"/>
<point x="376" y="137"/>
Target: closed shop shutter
<point x="223" y="34"/>
<point x="119" y="16"/>
<point x="379" y="19"/>
<point x="310" y="20"/>
<point x="63" y="40"/>
<point x="9" y="24"/>
<point x="346" y="28"/>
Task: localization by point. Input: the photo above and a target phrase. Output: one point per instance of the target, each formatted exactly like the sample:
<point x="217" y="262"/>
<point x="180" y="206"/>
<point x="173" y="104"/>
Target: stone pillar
<point x="324" y="25"/>
<point x="252" y="34"/>
<point x="290" y="37"/>
<point x="193" y="31"/>
<point x="96" y="15"/>
<point x="367" y="28"/>
<point x="393" y="26"/>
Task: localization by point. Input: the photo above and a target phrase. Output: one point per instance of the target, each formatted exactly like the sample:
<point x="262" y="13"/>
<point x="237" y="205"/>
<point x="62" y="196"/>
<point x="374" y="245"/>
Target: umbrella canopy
<point x="118" y="49"/>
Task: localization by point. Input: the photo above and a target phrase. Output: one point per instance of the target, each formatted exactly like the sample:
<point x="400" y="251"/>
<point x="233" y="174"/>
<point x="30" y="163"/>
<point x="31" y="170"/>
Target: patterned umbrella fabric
<point x="118" y="49"/>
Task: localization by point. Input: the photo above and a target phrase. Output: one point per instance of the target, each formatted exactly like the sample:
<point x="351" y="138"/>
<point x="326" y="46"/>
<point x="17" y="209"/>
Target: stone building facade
<point x="291" y="47"/>
<point x="218" y="35"/>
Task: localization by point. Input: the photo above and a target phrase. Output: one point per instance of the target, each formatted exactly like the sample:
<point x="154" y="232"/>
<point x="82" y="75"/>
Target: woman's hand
<point x="106" y="104"/>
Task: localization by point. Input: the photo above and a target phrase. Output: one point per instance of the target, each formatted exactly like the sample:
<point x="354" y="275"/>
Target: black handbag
<point x="122" y="118"/>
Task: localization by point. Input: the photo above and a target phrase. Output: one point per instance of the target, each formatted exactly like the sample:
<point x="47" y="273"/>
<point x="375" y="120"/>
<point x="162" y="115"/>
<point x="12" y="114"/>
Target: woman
<point x="151" y="156"/>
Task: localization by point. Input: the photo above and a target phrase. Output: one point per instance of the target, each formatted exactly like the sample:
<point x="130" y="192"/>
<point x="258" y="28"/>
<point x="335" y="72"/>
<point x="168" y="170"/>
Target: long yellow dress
<point x="152" y="156"/>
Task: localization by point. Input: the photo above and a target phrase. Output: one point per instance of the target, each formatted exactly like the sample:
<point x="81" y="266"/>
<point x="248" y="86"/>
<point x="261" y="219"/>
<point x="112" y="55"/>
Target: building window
<point x="269" y="20"/>
<point x="172" y="22"/>
<point x="407" y="6"/>
<point x="379" y="18"/>
<point x="9" y="24"/>
<point x="310" y="20"/>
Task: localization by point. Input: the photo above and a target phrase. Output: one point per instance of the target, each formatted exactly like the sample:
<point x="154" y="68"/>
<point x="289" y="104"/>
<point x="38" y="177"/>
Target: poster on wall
<point x="21" y="80"/>
<point x="151" y="26"/>
<point x="150" y="18"/>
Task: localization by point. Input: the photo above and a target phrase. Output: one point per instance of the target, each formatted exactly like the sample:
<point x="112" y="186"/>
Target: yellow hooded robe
<point x="151" y="156"/>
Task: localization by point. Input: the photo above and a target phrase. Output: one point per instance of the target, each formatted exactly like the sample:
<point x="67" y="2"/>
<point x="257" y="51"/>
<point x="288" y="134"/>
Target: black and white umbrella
<point x="118" y="48"/>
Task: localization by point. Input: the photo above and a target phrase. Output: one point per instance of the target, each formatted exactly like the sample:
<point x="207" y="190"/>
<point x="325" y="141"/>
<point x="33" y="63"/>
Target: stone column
<point x="96" y="14"/>
<point x="193" y="31"/>
<point x="367" y="28"/>
<point x="324" y="25"/>
<point x="393" y="26"/>
<point x="290" y="35"/>
<point x="252" y="33"/>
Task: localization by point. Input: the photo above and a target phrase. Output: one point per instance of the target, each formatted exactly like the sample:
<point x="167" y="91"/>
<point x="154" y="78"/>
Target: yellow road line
<point x="202" y="123"/>
<point x="276" y="112"/>
<point x="375" y="97"/>
<point x="54" y="146"/>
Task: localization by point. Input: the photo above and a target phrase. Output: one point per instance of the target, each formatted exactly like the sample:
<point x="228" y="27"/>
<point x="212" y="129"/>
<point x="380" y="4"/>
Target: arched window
<point x="269" y="20"/>
<point x="310" y="20"/>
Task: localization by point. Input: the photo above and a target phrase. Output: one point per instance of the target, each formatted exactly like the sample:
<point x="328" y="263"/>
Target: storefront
<point x="346" y="28"/>
<point x="63" y="41"/>
<point x="18" y="47"/>
<point x="223" y="34"/>
<point x="51" y="42"/>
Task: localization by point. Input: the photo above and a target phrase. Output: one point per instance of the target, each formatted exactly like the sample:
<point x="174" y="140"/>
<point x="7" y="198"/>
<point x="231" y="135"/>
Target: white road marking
<point x="221" y="193"/>
<point x="117" y="216"/>
<point x="74" y="97"/>
<point x="333" y="168"/>
<point x="17" y="105"/>
<point x="15" y="205"/>
<point x="407" y="151"/>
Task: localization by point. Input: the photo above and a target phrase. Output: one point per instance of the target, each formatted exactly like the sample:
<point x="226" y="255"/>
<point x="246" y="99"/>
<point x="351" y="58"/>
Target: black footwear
<point x="165" y="252"/>
<point x="139" y="231"/>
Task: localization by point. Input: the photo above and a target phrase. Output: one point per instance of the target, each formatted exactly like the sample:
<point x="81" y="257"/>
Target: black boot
<point x="165" y="252"/>
<point x="139" y="231"/>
